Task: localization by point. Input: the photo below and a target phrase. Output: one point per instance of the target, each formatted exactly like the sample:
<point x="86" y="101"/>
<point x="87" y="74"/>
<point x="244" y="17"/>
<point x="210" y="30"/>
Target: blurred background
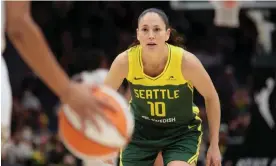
<point x="241" y="61"/>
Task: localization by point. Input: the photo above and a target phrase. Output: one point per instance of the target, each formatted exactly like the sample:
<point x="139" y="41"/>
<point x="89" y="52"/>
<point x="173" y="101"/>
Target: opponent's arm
<point x="29" y="41"/>
<point x="27" y="38"/>
<point x="194" y="71"/>
<point x="117" y="72"/>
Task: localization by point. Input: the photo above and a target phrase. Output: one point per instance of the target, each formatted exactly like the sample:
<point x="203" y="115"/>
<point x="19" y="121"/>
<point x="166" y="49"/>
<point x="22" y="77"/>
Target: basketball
<point x="91" y="143"/>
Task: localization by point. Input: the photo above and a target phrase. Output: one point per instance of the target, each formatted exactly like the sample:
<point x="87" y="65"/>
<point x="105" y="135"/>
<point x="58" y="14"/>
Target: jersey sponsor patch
<point x="164" y="120"/>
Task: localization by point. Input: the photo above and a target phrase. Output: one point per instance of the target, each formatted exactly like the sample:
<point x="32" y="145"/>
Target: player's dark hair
<point x="175" y="38"/>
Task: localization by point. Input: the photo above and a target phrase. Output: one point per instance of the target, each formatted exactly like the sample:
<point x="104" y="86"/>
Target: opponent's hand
<point x="5" y="134"/>
<point x="213" y="156"/>
<point x="81" y="99"/>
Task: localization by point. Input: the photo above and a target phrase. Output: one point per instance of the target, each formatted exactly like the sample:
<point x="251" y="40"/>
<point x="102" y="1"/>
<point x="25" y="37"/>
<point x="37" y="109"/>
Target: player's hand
<point x="81" y="99"/>
<point x="213" y="156"/>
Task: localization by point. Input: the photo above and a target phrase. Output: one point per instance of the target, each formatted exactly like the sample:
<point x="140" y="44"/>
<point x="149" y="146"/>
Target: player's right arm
<point x="118" y="71"/>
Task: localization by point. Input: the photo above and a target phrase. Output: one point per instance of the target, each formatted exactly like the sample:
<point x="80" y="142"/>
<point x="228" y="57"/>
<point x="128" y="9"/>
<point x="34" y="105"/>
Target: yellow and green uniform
<point x="165" y="117"/>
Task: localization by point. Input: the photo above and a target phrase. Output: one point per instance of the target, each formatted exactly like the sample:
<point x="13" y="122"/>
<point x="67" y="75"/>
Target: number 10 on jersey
<point x="157" y="109"/>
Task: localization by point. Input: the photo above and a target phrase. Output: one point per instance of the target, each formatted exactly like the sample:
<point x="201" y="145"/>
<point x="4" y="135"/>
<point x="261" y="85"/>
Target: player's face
<point x="152" y="32"/>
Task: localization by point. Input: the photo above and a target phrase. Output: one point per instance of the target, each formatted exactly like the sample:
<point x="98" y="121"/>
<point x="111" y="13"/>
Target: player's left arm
<point x="193" y="70"/>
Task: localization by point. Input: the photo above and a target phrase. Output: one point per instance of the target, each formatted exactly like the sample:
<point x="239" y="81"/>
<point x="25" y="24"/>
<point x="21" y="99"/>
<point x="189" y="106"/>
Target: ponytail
<point x="176" y="39"/>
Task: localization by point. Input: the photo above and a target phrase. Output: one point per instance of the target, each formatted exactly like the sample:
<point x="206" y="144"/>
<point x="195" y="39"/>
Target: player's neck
<point x="156" y="57"/>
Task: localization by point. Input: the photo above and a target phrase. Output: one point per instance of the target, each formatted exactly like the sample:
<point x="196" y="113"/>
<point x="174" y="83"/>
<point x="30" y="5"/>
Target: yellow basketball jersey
<point x="162" y="100"/>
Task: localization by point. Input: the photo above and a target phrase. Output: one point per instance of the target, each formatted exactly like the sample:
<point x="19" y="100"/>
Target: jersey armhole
<point x="181" y="61"/>
<point x="129" y="74"/>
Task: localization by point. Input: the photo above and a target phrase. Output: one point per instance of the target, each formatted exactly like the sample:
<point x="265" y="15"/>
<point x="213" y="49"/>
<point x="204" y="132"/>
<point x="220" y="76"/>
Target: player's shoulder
<point x="122" y="59"/>
<point x="189" y="60"/>
<point x="187" y="54"/>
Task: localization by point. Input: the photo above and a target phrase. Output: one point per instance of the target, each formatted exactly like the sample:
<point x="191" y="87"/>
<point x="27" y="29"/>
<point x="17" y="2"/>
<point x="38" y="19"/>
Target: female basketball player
<point x="162" y="76"/>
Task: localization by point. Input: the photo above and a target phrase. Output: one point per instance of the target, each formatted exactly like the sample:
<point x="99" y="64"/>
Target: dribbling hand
<point x="81" y="99"/>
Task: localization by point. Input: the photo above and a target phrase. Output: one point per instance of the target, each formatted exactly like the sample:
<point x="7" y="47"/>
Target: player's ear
<point x="168" y="34"/>
<point x="137" y="34"/>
